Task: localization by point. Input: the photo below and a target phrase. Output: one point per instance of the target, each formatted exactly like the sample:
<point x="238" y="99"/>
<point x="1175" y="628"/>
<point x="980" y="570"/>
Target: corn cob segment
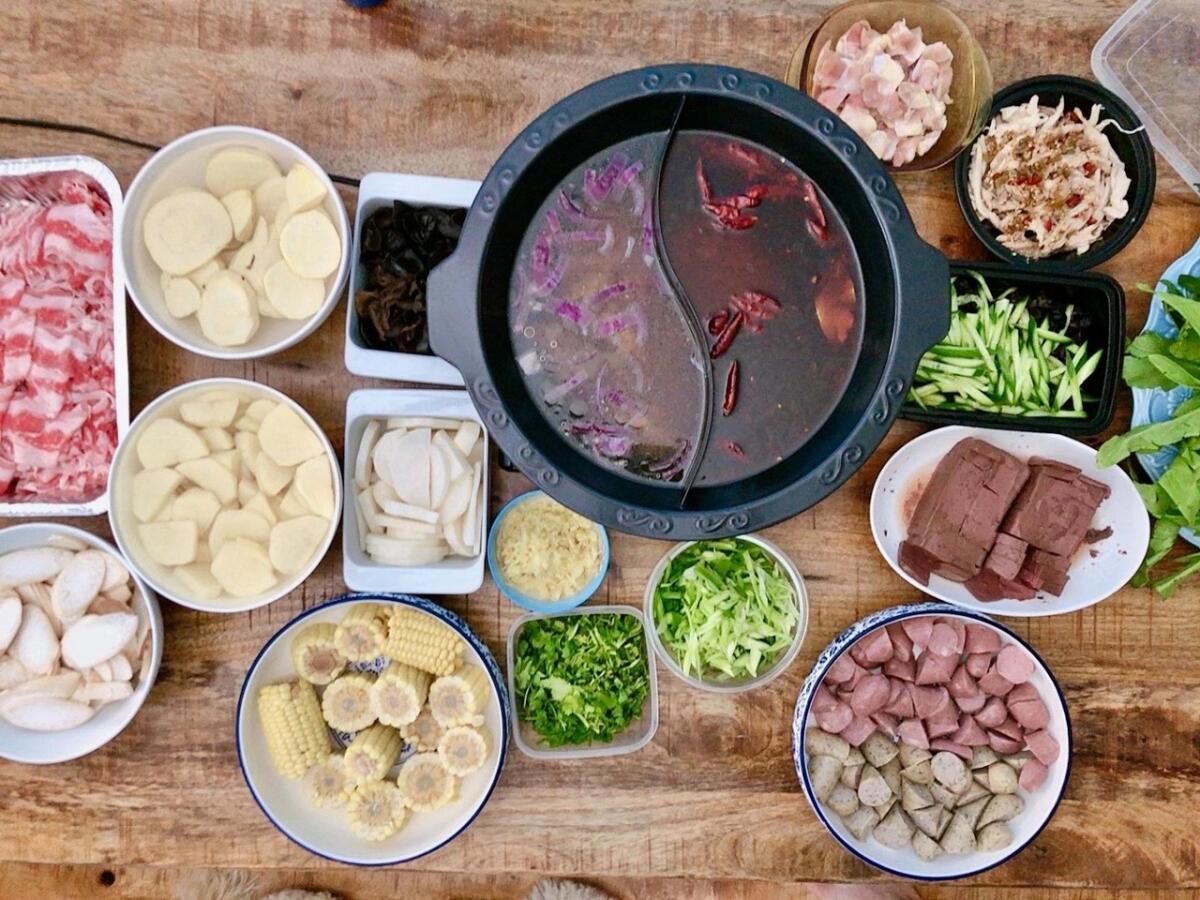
<point x="361" y="634"/>
<point x="464" y="749"/>
<point x="346" y="703"/>
<point x="418" y="639"/>
<point x="328" y="782"/>
<point x="423" y="732"/>
<point x="376" y="810"/>
<point x="372" y="753"/>
<point x="459" y="699"/>
<point x="314" y="655"/>
<point x="425" y="783"/>
<point x="291" y="721"/>
<point x="399" y="693"/>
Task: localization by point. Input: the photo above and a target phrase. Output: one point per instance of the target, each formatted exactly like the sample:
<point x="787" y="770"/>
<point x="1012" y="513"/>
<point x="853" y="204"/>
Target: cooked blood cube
<point x="1006" y="556"/>
<point x="1054" y="510"/>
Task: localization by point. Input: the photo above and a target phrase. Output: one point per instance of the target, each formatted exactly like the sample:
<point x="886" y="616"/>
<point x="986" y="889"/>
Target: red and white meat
<point x="891" y="88"/>
<point x="58" y="423"/>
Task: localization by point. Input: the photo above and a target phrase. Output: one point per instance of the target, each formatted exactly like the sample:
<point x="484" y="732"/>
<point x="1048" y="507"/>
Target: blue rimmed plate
<point x="1155" y="404"/>
<point x="325" y="832"/>
<point x="1026" y="826"/>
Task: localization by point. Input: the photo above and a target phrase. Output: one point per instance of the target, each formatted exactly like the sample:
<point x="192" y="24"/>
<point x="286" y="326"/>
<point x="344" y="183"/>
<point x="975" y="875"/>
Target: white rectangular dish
<point x="453" y="575"/>
<point x="379" y="189"/>
<point x="12" y="174"/>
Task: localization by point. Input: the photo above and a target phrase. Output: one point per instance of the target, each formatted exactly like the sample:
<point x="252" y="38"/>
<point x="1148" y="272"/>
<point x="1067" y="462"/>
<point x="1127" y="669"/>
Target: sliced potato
<point x="314" y="486"/>
<point x="198" y="581"/>
<point x="181" y="296"/>
<point x="261" y="505"/>
<point x="152" y="489"/>
<point x="240" y="206"/>
<point x="271" y="196"/>
<point x="243" y="568"/>
<point x="230" y="459"/>
<point x="217" y="412"/>
<point x="196" y="505"/>
<point x="271" y="477"/>
<point x="247" y="490"/>
<point x="235" y="168"/>
<point x="294" y="541"/>
<point x="246" y="443"/>
<point x="228" y="314"/>
<point x="212" y="476"/>
<point x="170" y="543"/>
<point x="185" y="230"/>
<point x="291" y="505"/>
<point x="201" y="276"/>
<point x="259" y="409"/>
<point x="305" y="189"/>
<point x="237" y="523"/>
<point x="217" y="438"/>
<point x="264" y="260"/>
<point x="286" y="438"/>
<point x="293" y="296"/>
<point x="167" y="442"/>
<point x="310" y="244"/>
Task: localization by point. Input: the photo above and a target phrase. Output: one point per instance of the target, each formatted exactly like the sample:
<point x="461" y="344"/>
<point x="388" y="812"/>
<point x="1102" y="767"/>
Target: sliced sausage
<point x="887" y="723"/>
<point x="969" y="733"/>
<point x="1001" y="743"/>
<point x="929" y="701"/>
<point x="1010" y="727"/>
<point x="1031" y="714"/>
<point x="941" y="726"/>
<point x="823" y="698"/>
<point x="981" y="639"/>
<point x="912" y="732"/>
<point x="901" y="702"/>
<point x="1014" y="664"/>
<point x="840" y="670"/>
<point x="974" y="703"/>
<point x="978" y="663"/>
<point x="994" y="712"/>
<point x="1033" y="774"/>
<point x="835" y="718"/>
<point x="918" y="629"/>
<point x="951" y="747"/>
<point x="962" y="684"/>
<point x="934" y="669"/>
<point x="877" y="647"/>
<point x="904" y="669"/>
<point x="959" y="627"/>
<point x="859" y="729"/>
<point x="943" y="640"/>
<point x="870" y="695"/>
<point x="1043" y="746"/>
<point x="858" y="675"/>
<point x="994" y="683"/>
<point x="902" y="648"/>
<point x="1025" y="691"/>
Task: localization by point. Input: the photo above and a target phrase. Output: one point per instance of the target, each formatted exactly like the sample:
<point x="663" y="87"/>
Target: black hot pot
<point x="906" y="285"/>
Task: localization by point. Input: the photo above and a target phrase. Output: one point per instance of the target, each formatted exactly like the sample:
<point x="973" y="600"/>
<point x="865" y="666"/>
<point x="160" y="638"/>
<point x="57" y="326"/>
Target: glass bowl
<point x="970" y="91"/>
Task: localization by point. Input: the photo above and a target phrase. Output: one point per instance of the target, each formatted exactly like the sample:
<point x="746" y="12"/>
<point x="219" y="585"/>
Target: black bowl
<point x="1096" y="295"/>
<point x="1134" y="150"/>
<point x="906" y="287"/>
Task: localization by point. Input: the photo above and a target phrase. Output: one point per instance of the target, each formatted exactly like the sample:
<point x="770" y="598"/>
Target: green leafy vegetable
<point x="725" y="606"/>
<point x="581" y="678"/>
<point x="1004" y="354"/>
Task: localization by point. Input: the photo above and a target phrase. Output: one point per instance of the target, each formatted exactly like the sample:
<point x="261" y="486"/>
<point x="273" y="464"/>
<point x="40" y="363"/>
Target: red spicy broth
<point x="597" y="330"/>
<point x="769" y="267"/>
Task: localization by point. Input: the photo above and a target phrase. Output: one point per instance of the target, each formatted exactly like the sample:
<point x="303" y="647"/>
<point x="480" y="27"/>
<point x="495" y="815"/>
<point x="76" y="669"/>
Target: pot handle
<point x="449" y="307"/>
<point x="923" y="276"/>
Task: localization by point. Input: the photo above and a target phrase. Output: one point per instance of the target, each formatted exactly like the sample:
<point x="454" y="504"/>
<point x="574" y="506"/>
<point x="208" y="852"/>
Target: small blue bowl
<point x="524" y="600"/>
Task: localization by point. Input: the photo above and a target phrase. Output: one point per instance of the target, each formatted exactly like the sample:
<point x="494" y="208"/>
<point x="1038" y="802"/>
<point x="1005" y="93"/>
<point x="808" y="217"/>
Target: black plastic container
<point x="906" y="295"/>
<point x="1134" y="150"/>
<point x="1099" y="296"/>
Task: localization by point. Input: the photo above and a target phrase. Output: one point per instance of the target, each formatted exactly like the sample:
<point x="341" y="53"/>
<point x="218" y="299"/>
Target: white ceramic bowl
<point x="324" y="831"/>
<point x="1093" y="578"/>
<point x="1026" y="826"/>
<point x="124" y="524"/>
<point x="23" y="746"/>
<point x="721" y="685"/>
<point x="453" y="575"/>
<point x="181" y="163"/>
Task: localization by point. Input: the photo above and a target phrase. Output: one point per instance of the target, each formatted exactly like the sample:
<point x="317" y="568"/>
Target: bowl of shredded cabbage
<point x="726" y="615"/>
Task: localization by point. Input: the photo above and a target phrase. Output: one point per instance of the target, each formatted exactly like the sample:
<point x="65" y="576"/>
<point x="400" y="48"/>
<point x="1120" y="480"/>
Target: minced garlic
<point x="546" y="551"/>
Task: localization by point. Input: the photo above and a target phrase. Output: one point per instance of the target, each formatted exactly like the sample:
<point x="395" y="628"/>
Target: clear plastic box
<point x="1148" y="58"/>
<point x="636" y="735"/>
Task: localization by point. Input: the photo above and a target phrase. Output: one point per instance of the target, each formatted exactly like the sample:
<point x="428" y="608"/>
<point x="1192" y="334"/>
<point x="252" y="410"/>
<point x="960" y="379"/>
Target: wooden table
<point x="712" y="807"/>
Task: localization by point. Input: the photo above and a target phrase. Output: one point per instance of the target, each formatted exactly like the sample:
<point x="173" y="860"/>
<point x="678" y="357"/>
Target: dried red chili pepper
<point x="1074" y="200"/>
<point x="725" y="338"/>
<point x="731" y="390"/>
<point x="717" y="322"/>
<point x="818" y="231"/>
<point x="702" y="180"/>
<point x="756" y="304"/>
<point x="1089" y="169"/>
<point x="734" y="449"/>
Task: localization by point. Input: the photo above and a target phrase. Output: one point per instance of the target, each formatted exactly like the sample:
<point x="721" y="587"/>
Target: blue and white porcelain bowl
<point x="325" y="832"/>
<point x="1155" y="404"/>
<point x="1026" y="826"/>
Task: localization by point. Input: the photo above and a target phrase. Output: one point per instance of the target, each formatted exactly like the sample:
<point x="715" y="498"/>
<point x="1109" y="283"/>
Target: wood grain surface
<point x="711" y="808"/>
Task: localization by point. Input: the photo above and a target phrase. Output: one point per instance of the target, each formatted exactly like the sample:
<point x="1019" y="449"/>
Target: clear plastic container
<point x="636" y="735"/>
<point x="1148" y="58"/>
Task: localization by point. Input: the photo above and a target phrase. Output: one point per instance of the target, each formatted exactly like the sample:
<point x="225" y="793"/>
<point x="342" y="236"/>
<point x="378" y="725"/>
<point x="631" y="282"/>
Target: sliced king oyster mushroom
<point x="77" y="585"/>
<point x="103" y="692"/>
<point x="116" y="575"/>
<point x="36" y="645"/>
<point x="62" y="686"/>
<point x="37" y="713"/>
<point x="32" y="565"/>
<point x="12" y="672"/>
<point x="10" y="619"/>
<point x="94" y="639"/>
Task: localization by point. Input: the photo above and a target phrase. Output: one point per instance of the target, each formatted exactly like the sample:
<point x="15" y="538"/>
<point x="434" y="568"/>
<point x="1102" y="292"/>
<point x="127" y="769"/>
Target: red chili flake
<point x="716" y="323"/>
<point x="731" y="390"/>
<point x="1048" y="224"/>
<point x="1089" y="169"/>
<point x="734" y="450"/>
<point x="702" y="180"/>
<point x="1030" y="180"/>
<point x="1091" y="220"/>
<point x="729" y="216"/>
<point x="725" y="338"/>
<point x="756" y="191"/>
<point x="1074" y="200"/>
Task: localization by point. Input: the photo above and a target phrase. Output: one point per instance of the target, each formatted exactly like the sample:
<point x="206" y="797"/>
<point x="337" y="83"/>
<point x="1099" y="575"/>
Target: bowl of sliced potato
<point x="235" y="243"/>
<point x="224" y="495"/>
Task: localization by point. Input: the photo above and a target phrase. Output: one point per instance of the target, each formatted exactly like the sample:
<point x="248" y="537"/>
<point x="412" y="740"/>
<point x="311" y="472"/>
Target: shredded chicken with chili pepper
<point x="1048" y="181"/>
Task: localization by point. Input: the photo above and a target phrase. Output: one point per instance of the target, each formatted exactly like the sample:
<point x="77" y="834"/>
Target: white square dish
<point x="379" y="189"/>
<point x="453" y="575"/>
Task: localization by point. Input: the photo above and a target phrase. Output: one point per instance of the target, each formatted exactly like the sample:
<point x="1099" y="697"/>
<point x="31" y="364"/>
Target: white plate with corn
<point x="371" y="730"/>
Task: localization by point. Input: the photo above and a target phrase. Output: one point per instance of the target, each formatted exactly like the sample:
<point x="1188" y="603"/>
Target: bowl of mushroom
<point x="80" y="643"/>
<point x="932" y="743"/>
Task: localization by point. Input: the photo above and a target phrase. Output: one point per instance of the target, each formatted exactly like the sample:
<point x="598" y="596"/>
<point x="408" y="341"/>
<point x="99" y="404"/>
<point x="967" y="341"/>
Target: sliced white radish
<point x="438" y="477"/>
<point x="469" y="525"/>
<point x="406" y="528"/>
<point x="362" y="462"/>
<point x="458" y="498"/>
<point x="406" y="511"/>
<point x="404" y="553"/>
<point x="310" y="244"/>
<point x="422" y="422"/>
<point x="453" y="537"/>
<point x="402" y="460"/>
<point x="201" y="276"/>
<point x="456" y="460"/>
<point x="369" y="509"/>
<point x="466" y="436"/>
<point x="185" y="230"/>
